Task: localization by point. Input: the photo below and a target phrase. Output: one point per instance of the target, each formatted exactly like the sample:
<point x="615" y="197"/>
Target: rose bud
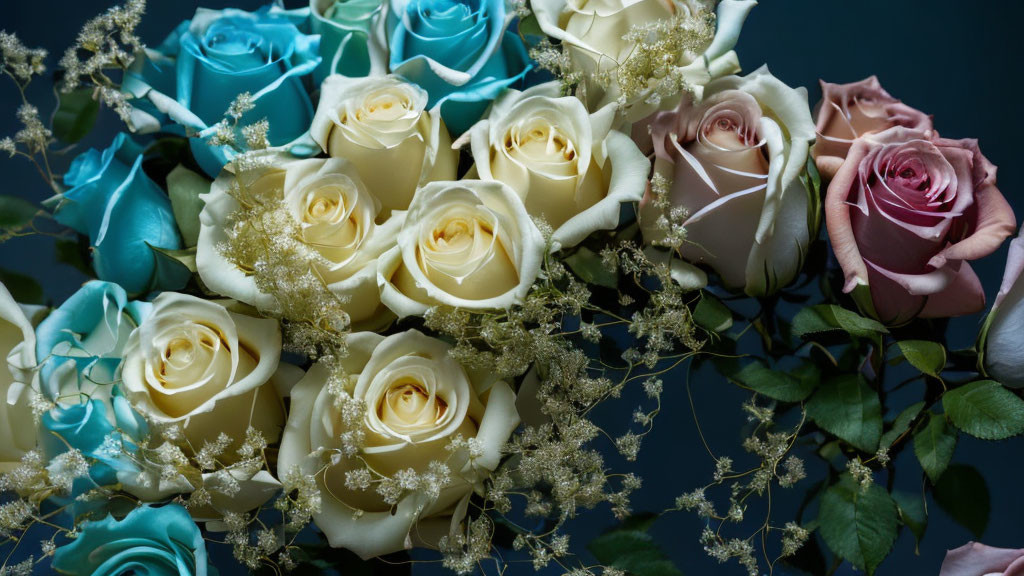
<point x="905" y="213"/>
<point x="1002" y="339"/>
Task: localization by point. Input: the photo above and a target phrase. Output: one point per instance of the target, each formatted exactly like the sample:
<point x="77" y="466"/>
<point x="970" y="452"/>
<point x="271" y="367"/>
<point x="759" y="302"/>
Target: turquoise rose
<point x="194" y="76"/>
<point x="460" y="52"/>
<point x="79" y="344"/>
<point x="149" y="541"/>
<point x="344" y="27"/>
<point x="106" y="433"/>
<point x="124" y="213"/>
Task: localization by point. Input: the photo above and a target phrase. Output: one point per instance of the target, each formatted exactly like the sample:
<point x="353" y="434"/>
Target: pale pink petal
<point x="965" y="295"/>
<point x="974" y="559"/>
<point x="837" y="218"/>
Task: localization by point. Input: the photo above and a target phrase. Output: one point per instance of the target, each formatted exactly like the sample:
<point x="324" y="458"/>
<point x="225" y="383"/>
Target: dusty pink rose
<point x="975" y="559"/>
<point x="732" y="164"/>
<point x="850" y="110"/>
<point x="905" y="213"/>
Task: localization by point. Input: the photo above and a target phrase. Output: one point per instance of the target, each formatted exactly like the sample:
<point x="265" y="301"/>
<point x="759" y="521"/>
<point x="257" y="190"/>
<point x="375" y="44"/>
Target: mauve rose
<point x="905" y="213"/>
<point x="974" y="559"/>
<point x="850" y="110"/>
<point x="735" y="162"/>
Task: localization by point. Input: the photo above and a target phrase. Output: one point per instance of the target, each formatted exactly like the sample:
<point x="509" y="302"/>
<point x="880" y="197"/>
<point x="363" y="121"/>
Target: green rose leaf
<point x="778" y="385"/>
<point x="23" y="289"/>
<point x="711" y="314"/>
<point x="928" y="357"/>
<point x="75" y="115"/>
<point x="962" y="493"/>
<point x="631" y="549"/>
<point x="588" y="266"/>
<point x="901" y="424"/>
<point x="985" y="410"/>
<point x="16" y="213"/>
<point x="858" y="525"/>
<point x="824" y="318"/>
<point x="848" y="408"/>
<point x="184" y="187"/>
<point x="934" y="444"/>
<point x="912" y="513"/>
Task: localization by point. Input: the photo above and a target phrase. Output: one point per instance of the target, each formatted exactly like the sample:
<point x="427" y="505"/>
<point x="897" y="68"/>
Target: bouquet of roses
<point x="367" y="272"/>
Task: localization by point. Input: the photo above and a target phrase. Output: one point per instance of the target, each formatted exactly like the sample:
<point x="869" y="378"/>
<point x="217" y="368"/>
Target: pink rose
<point x="975" y="559"/>
<point x="732" y="167"/>
<point x="905" y="213"/>
<point x="847" y="111"/>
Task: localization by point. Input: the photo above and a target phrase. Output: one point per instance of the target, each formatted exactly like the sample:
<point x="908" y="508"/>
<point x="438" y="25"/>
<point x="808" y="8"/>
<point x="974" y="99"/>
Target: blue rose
<point x="199" y="70"/>
<point x="460" y="51"/>
<point x="79" y="344"/>
<point x="107" y="433"/>
<point x="344" y="27"/>
<point x="124" y="213"/>
<point x="149" y="541"/>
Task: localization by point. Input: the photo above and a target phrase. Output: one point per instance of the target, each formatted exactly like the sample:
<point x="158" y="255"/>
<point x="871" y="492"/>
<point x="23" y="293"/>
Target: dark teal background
<point x="954" y="59"/>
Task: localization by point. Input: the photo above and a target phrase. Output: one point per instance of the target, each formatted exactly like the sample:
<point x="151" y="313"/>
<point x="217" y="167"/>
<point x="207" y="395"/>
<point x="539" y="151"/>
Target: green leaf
<point x="174" y="268"/>
<point x="912" y="513"/>
<point x="71" y="252"/>
<point x="631" y="549"/>
<point x="75" y="115"/>
<point x="711" y="314"/>
<point x="934" y="444"/>
<point x="928" y="357"/>
<point x="16" y="213"/>
<point x="962" y="493"/>
<point x="858" y="525"/>
<point x="529" y="26"/>
<point x="779" y="385"/>
<point x="848" y="408"/>
<point x="184" y="187"/>
<point x="985" y="410"/>
<point x="901" y="424"/>
<point x="588" y="266"/>
<point x="23" y="289"/>
<point x="830" y="318"/>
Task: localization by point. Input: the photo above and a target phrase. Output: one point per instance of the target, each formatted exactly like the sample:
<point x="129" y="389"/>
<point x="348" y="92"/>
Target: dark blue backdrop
<point x="954" y="59"/>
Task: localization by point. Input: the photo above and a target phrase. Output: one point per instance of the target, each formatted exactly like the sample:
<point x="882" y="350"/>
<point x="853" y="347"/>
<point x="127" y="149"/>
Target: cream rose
<point x="467" y="244"/>
<point x="594" y="34"/>
<point x="18" y="346"/>
<point x="382" y="126"/>
<point x="194" y="363"/>
<point x="337" y="217"/>
<point x="417" y="399"/>
<point x="567" y="165"/>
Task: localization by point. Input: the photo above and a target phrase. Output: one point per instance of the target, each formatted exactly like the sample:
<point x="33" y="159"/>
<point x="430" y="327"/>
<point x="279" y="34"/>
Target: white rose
<point x="18" y="346"/>
<point x="337" y="217"/>
<point x="1001" y="334"/>
<point x="593" y="32"/>
<point x="567" y="165"/>
<point x="417" y="399"/>
<point x="194" y="363"/>
<point x="467" y="244"/>
<point x="382" y="126"/>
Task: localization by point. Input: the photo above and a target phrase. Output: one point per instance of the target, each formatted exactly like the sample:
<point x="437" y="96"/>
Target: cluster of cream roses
<point x="395" y="234"/>
<point x="398" y="233"/>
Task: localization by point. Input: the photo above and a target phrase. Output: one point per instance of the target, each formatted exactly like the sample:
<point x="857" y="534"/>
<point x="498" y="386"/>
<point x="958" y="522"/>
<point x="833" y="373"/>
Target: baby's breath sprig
<point x="777" y="467"/>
